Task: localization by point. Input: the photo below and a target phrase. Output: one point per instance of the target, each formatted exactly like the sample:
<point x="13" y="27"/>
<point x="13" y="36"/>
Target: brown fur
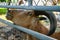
<point x="56" y="35"/>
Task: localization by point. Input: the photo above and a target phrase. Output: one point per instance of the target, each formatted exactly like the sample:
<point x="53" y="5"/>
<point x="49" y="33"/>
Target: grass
<point x="2" y="13"/>
<point x="3" y="10"/>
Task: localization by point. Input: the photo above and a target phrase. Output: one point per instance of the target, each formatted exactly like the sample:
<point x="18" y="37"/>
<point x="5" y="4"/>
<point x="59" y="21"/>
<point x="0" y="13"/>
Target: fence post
<point x="29" y="2"/>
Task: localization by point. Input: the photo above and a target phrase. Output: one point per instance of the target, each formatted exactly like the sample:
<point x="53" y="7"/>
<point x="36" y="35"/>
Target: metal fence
<point x="31" y="7"/>
<point x="40" y="8"/>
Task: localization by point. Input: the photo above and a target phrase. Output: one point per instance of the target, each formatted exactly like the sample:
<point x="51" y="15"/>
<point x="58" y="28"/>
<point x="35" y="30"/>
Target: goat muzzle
<point x="9" y="16"/>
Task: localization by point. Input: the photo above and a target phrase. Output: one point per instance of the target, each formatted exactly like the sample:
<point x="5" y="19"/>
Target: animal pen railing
<point x="31" y="7"/>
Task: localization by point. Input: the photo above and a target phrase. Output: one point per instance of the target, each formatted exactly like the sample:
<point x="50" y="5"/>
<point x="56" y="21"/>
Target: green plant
<point x="3" y="10"/>
<point x="3" y="0"/>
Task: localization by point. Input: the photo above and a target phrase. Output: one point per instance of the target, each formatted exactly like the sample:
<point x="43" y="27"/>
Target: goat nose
<point x="8" y="16"/>
<point x="8" y="13"/>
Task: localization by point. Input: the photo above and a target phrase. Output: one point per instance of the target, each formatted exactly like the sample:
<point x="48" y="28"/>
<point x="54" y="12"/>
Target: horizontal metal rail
<point x="31" y="32"/>
<point x="40" y="8"/>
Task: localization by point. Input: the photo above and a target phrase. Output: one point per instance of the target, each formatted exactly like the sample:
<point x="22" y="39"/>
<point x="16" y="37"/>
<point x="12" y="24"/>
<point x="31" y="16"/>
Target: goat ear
<point x="30" y="12"/>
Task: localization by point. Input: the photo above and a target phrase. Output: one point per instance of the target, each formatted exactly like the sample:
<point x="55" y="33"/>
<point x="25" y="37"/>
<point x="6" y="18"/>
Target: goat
<point x="28" y="19"/>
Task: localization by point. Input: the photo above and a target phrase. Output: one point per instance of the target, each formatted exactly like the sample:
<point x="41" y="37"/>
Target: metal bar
<point x="40" y="8"/>
<point x="33" y="33"/>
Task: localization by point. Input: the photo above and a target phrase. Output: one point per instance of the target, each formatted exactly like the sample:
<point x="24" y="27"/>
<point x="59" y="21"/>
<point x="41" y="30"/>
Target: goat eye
<point x="29" y="13"/>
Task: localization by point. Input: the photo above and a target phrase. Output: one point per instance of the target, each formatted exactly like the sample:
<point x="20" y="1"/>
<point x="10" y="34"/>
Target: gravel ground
<point x="9" y="33"/>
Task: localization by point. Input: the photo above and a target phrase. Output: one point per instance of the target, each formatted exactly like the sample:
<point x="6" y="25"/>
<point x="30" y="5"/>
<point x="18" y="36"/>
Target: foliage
<point x="3" y="0"/>
<point x="3" y="10"/>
